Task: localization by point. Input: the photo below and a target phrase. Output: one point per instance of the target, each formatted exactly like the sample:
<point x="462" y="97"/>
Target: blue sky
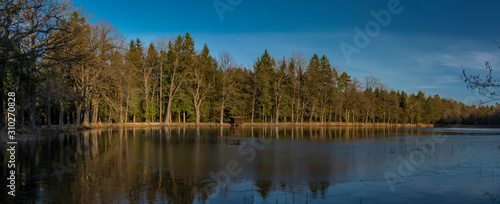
<point x="423" y="46"/>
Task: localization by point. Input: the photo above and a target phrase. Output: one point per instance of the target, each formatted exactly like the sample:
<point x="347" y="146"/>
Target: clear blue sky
<point x="423" y="47"/>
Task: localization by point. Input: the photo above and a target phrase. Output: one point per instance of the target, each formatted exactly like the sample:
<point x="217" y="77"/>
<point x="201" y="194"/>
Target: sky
<point x="410" y="45"/>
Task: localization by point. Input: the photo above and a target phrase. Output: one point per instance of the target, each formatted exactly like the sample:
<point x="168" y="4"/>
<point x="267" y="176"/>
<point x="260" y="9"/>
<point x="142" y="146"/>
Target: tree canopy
<point x="69" y="70"/>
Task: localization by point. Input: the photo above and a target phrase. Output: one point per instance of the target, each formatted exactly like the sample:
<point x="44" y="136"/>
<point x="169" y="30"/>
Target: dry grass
<point x="43" y="129"/>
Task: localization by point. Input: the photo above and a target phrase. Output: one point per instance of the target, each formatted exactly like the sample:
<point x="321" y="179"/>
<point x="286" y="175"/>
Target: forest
<point x="66" y="68"/>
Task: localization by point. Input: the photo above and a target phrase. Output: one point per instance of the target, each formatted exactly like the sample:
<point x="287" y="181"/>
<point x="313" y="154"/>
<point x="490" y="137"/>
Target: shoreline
<point x="42" y="129"/>
<point x="192" y="124"/>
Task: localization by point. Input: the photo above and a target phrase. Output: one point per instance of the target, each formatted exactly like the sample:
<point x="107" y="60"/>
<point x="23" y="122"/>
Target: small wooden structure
<point x="237" y="120"/>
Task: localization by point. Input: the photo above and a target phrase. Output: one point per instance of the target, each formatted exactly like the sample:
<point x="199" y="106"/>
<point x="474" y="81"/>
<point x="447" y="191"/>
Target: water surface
<point x="259" y="164"/>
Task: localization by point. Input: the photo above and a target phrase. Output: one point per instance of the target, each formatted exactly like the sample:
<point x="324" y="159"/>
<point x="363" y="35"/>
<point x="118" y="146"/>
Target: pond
<point x="271" y="164"/>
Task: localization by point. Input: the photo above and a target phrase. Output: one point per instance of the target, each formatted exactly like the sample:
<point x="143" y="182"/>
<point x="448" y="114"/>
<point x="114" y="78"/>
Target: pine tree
<point x="263" y="68"/>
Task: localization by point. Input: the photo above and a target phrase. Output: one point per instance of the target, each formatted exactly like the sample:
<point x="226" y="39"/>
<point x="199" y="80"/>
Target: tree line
<point x="66" y="69"/>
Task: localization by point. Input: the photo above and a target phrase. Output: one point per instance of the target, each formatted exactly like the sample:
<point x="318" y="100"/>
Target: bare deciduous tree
<point x="226" y="82"/>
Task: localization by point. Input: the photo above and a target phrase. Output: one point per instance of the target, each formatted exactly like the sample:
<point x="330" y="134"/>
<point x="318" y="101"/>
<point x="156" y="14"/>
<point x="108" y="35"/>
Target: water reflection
<point x="278" y="164"/>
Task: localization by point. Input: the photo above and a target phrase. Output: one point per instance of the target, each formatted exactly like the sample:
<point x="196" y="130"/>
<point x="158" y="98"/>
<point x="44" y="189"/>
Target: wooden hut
<point x="237" y="120"/>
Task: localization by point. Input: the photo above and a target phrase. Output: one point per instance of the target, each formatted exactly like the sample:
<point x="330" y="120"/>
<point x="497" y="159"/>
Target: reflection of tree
<point x="264" y="188"/>
<point x="99" y="169"/>
<point x="314" y="187"/>
<point x="130" y="164"/>
<point x="133" y="180"/>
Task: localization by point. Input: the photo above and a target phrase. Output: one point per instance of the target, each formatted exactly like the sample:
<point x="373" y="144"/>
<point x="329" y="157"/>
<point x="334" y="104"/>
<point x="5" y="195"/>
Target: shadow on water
<point x="248" y="164"/>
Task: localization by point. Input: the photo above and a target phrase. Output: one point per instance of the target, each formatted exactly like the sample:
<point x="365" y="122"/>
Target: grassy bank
<point x="64" y="128"/>
<point x="44" y="129"/>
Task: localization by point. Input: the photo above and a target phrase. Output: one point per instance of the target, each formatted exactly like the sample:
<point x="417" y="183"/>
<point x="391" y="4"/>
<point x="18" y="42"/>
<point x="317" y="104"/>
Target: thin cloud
<point x="447" y="79"/>
<point x="465" y="59"/>
<point x="430" y="87"/>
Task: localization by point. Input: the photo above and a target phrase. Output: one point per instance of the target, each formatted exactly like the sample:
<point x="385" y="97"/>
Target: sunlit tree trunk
<point x="78" y="113"/>
<point x="61" y="113"/>
<point x="95" y="112"/>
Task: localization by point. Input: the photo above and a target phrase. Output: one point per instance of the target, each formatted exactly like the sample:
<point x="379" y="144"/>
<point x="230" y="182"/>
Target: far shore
<point x="72" y="127"/>
<point x="192" y="124"/>
<point x="45" y="129"/>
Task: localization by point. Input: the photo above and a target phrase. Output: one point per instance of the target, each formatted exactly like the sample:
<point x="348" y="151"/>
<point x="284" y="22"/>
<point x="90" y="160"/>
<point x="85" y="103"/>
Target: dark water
<point x="258" y="165"/>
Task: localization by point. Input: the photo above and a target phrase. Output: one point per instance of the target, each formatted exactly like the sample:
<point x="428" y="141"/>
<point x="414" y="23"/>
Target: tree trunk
<point x="126" y="109"/>
<point x="293" y="110"/>
<point x="120" y="117"/>
<point x="329" y="114"/>
<point x="61" y="113"/>
<point x="347" y="118"/>
<point x="146" y="97"/>
<point x="86" y="113"/>
<point x="168" y="115"/>
<point x="302" y="113"/>
<point x="161" y="92"/>
<point x="253" y="107"/>
<point x="222" y="113"/>
<point x="197" y="113"/>
<point x="277" y="110"/>
<point x="95" y="112"/>
<point x="340" y="118"/>
<point x="49" y="119"/>
<point x="311" y="116"/>
<point x="78" y="113"/>
<point x="322" y="114"/>
<point x="20" y="111"/>
<point x="196" y="110"/>
<point x="298" y="111"/>
<point x="32" y="112"/>
<point x="263" y="114"/>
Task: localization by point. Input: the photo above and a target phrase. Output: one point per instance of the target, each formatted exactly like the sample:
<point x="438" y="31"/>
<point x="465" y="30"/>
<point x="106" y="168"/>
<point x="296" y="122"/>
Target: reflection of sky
<point x="422" y="48"/>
